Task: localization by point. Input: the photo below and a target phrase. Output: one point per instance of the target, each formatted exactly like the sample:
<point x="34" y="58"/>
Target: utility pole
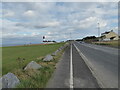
<point x="99" y="31"/>
<point x="70" y="35"/>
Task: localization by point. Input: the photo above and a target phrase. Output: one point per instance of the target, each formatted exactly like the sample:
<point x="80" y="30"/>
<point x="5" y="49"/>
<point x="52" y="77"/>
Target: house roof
<point x="107" y="32"/>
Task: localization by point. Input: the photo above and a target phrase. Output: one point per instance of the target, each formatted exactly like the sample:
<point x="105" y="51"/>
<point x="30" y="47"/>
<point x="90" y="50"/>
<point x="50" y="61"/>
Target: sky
<point x="28" y="22"/>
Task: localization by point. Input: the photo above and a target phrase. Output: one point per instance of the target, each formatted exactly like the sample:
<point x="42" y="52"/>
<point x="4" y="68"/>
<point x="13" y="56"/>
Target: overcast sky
<point x="25" y="22"/>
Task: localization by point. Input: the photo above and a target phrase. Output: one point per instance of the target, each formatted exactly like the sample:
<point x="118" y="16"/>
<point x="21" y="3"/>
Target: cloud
<point x="38" y="25"/>
<point x="29" y="13"/>
<point x="52" y="24"/>
<point x="8" y="13"/>
<point x="88" y="22"/>
<point x="56" y="20"/>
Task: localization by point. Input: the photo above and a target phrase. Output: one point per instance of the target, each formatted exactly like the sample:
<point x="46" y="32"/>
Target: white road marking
<point x="90" y="66"/>
<point x="71" y="69"/>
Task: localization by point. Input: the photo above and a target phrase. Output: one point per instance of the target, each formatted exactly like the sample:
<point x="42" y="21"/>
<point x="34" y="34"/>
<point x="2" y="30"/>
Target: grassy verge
<point x="38" y="78"/>
<point x="115" y="44"/>
<point x="29" y="53"/>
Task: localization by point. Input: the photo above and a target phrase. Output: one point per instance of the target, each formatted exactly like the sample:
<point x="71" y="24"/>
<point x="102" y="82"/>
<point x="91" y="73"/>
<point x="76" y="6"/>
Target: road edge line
<point x="71" y="69"/>
<point x="90" y="67"/>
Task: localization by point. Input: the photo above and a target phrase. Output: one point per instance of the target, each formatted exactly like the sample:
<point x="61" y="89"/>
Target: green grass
<point x="109" y="43"/>
<point x="10" y="54"/>
<point x="31" y="78"/>
<point x="38" y="78"/>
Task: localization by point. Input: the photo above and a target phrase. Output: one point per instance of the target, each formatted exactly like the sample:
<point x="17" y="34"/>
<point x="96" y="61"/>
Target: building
<point x="110" y="35"/>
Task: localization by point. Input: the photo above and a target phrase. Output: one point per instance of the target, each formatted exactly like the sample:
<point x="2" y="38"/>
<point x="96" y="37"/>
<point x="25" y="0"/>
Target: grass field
<point x="109" y="43"/>
<point x="10" y="54"/>
<point x="38" y="78"/>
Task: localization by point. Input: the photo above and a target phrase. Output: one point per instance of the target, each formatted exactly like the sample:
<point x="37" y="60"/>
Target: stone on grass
<point x="9" y="81"/>
<point x="55" y="53"/>
<point x="48" y="58"/>
<point x="61" y="48"/>
<point x="32" y="65"/>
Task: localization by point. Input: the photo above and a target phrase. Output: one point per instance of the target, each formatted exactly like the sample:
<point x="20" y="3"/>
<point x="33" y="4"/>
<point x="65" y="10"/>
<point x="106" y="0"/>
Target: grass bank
<point x="115" y="43"/>
<point x="38" y="78"/>
<point x="31" y="78"/>
<point x="29" y="53"/>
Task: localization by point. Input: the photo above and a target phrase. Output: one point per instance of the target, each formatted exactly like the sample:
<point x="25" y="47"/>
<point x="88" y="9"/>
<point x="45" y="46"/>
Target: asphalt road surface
<point x="72" y="72"/>
<point x="103" y="61"/>
<point x="86" y="66"/>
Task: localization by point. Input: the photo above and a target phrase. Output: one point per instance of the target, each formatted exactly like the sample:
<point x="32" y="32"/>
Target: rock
<point x="55" y="53"/>
<point x="48" y="58"/>
<point x="32" y="65"/>
<point x="9" y="81"/>
<point x="61" y="48"/>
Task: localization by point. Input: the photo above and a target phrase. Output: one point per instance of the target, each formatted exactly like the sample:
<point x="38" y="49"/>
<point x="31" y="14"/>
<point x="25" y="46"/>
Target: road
<point x="86" y="66"/>
<point x="103" y="61"/>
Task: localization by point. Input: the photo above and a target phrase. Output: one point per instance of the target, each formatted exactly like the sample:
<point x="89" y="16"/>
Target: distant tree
<point x="79" y="40"/>
<point x="90" y="39"/>
<point x="53" y="41"/>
